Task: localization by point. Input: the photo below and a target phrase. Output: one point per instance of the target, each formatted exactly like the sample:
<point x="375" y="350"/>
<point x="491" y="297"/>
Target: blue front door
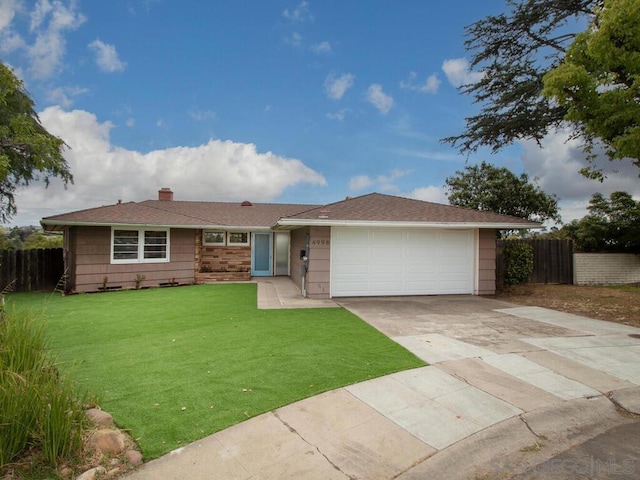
<point x="261" y="255"/>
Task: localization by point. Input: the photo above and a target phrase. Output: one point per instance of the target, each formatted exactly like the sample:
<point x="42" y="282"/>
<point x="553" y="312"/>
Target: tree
<point x="27" y="151"/>
<point x="41" y="240"/>
<point x="599" y="81"/>
<point x="514" y="51"/>
<point x="612" y="225"/>
<point x="487" y="187"/>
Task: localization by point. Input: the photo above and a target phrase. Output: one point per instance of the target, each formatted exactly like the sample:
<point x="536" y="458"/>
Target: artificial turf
<point x="173" y="365"/>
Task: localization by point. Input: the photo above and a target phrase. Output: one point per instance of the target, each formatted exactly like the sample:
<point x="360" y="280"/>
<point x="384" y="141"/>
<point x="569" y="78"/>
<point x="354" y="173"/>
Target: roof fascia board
<point x="242" y="228"/>
<point x="290" y="222"/>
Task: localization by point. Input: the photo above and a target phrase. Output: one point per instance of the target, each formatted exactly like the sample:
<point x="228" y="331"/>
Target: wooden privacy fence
<point x="552" y="261"/>
<point x="32" y="270"/>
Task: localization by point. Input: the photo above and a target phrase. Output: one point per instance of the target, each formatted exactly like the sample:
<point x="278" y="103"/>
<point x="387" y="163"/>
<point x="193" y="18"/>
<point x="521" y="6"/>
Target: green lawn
<point x="176" y="364"/>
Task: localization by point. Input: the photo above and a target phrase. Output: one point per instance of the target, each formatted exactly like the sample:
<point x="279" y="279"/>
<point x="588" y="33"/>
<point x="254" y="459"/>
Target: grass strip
<point x="174" y="365"/>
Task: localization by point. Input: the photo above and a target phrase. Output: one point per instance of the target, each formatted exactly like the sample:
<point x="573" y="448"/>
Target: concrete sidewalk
<point x="510" y="391"/>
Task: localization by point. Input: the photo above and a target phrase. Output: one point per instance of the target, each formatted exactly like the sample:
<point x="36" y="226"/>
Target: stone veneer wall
<point x="221" y="263"/>
<point x="605" y="268"/>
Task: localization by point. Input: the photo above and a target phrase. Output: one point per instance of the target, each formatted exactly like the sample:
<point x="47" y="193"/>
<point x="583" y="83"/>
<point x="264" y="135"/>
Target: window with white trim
<point x="213" y="237"/>
<point x="141" y="245"/>
<point x="238" y="238"/>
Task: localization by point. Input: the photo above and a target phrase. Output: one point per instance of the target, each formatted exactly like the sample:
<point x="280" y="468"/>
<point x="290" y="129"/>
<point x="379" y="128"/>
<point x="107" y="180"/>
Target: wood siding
<point x="486" y="262"/>
<point x="298" y="242"/>
<point x="319" y="278"/>
<point x="89" y="257"/>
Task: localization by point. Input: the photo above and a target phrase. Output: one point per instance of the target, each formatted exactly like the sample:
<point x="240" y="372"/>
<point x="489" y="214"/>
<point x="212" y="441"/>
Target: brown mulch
<point x="603" y="303"/>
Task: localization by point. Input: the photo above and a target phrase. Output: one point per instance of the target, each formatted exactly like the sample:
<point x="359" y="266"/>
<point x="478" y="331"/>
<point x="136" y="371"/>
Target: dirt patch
<point x="621" y="305"/>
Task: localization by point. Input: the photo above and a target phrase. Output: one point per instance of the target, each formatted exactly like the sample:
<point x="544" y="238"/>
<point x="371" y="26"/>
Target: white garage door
<point x="389" y="261"/>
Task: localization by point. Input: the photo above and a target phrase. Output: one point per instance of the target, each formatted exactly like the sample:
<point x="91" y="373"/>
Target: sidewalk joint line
<point x="294" y="431"/>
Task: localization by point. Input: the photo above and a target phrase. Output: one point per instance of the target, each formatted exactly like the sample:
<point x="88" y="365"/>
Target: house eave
<point x="52" y="225"/>
<point x="291" y="224"/>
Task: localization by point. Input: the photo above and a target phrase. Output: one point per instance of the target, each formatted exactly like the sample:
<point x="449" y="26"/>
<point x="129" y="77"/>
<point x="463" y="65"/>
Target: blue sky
<point x="280" y="101"/>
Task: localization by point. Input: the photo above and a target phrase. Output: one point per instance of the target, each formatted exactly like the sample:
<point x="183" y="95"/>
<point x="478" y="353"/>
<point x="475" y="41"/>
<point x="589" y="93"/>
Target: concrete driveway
<point x="509" y="391"/>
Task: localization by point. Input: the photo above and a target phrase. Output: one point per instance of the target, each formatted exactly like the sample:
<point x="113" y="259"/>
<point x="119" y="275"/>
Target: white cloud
<point x="104" y="172"/>
<point x="379" y="99"/>
<point x="339" y="115"/>
<point x="201" y="115"/>
<point x="556" y="167"/>
<point x="458" y="72"/>
<point x="63" y="95"/>
<point x="322" y="47"/>
<point x="429" y="194"/>
<point x="9" y="39"/>
<point x="431" y="84"/>
<point x="429" y="155"/>
<point x="295" y="39"/>
<point x="44" y="43"/>
<point x="130" y="122"/>
<point x="39" y="13"/>
<point x="298" y="14"/>
<point x="360" y="182"/>
<point x="49" y="22"/>
<point x="107" y="57"/>
<point x="337" y="87"/>
<point x="395" y="174"/>
<point x="8" y="10"/>
<point x="381" y="182"/>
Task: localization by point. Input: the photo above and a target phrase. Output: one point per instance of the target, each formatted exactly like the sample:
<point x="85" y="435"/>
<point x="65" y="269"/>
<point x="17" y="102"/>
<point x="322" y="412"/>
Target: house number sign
<point x="320" y="242"/>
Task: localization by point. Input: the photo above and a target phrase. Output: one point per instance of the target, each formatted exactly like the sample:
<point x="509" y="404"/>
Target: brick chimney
<point x="165" y="194"/>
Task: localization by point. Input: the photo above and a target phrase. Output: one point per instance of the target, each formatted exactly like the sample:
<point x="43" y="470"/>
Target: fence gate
<point x="552" y="261"/>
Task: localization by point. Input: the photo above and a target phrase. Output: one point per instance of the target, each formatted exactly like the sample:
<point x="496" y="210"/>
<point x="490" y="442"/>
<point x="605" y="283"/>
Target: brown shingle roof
<point x="377" y="207"/>
<point x="374" y="207"/>
<point x="230" y="214"/>
<point x="178" y="213"/>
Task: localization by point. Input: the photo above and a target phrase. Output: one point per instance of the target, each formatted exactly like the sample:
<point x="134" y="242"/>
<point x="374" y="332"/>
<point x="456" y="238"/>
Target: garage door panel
<point x="380" y="286"/>
<point x="386" y="270"/>
<point x="385" y="256"/>
<point x="350" y="235"/>
<point x="386" y="236"/>
<point x="371" y="261"/>
<point x="348" y="271"/>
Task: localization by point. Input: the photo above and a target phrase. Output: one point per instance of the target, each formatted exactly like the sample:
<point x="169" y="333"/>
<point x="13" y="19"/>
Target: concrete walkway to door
<point x="508" y="389"/>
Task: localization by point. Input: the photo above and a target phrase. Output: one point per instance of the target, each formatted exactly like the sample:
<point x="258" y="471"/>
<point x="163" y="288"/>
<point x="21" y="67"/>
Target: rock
<point x="99" y="417"/>
<point x="92" y="474"/>
<point x="113" y="472"/>
<point x="108" y="441"/>
<point x="133" y="457"/>
<point x="66" y="472"/>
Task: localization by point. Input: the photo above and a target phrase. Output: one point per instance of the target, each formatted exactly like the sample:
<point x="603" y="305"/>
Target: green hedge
<point x="518" y="262"/>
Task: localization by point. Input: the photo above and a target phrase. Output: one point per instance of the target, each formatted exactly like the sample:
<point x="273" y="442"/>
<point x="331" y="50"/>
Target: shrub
<point x="518" y="262"/>
<point x="39" y="407"/>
